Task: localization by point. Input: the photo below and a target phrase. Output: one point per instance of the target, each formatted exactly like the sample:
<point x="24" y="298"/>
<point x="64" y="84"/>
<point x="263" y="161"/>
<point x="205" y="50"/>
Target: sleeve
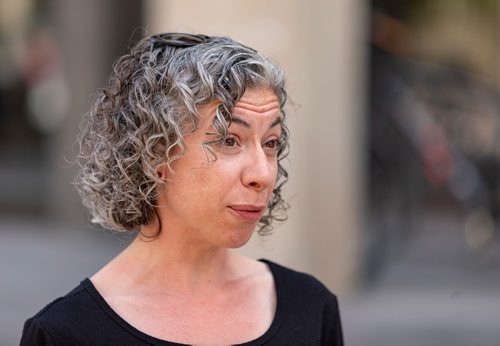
<point x="34" y="333"/>
<point x="332" y="327"/>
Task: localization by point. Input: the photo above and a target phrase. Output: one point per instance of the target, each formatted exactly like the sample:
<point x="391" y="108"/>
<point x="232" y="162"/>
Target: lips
<point x="247" y="212"/>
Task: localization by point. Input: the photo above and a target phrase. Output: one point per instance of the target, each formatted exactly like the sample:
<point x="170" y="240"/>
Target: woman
<point x="184" y="146"/>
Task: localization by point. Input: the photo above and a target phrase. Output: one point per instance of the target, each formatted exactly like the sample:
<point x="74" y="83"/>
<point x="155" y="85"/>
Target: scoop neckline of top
<point x="89" y="286"/>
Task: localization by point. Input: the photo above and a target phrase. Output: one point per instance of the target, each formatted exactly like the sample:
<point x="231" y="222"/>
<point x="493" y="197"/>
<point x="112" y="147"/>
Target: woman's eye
<point x="273" y="144"/>
<point x="230" y="141"/>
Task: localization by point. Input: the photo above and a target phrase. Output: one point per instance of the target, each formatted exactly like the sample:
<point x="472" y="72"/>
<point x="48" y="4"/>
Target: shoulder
<point x="299" y="282"/>
<point x="62" y="319"/>
<point x="300" y="291"/>
<point x="75" y="302"/>
<point x="307" y="304"/>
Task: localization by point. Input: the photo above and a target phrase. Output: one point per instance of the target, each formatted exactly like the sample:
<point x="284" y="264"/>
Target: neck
<point x="174" y="255"/>
<point x="173" y="263"/>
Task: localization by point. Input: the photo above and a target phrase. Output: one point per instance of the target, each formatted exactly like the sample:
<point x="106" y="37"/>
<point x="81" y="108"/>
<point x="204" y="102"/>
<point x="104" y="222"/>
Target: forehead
<point x="260" y="102"/>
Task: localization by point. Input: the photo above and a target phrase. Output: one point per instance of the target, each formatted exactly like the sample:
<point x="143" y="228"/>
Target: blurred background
<point x="395" y="171"/>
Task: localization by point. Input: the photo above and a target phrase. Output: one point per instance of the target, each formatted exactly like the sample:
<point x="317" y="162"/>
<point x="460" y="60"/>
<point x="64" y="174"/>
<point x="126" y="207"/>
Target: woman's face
<point x="220" y="202"/>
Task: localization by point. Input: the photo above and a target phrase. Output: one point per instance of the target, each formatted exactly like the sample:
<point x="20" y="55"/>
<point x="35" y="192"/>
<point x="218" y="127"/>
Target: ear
<point x="161" y="171"/>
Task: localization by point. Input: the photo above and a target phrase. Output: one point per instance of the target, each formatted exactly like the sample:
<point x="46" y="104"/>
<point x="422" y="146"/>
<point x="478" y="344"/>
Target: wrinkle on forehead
<point x="264" y="102"/>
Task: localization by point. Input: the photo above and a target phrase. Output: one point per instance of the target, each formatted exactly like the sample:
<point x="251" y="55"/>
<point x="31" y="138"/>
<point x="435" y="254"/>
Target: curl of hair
<point x="148" y="107"/>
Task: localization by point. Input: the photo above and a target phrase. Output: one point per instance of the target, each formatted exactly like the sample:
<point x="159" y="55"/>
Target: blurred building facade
<point x="55" y="54"/>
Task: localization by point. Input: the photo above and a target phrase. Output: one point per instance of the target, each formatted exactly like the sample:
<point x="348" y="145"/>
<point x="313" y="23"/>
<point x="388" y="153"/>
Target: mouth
<point x="250" y="213"/>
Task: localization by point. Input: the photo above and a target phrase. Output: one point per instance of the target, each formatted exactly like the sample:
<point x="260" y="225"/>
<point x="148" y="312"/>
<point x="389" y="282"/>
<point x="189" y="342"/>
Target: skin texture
<point x="186" y="285"/>
<point x="199" y="197"/>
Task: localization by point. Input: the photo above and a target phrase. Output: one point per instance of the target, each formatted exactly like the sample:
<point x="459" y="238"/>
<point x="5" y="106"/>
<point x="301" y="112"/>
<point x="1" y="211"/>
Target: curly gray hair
<point x="149" y="105"/>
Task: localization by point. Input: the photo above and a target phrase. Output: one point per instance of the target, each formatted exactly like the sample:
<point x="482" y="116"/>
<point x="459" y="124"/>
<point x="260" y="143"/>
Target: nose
<point x="259" y="171"/>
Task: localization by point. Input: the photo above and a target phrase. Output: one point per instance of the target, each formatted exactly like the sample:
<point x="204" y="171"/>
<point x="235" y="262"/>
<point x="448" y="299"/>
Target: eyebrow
<point x="247" y="125"/>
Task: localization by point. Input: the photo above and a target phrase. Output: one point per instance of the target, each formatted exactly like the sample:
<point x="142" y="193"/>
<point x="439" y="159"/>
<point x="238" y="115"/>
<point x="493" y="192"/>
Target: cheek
<point x="274" y="167"/>
<point x="208" y="182"/>
<point x="215" y="177"/>
<point x="197" y="181"/>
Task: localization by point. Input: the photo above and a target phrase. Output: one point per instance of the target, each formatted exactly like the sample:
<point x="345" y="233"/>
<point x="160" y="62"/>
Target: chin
<point x="238" y="238"/>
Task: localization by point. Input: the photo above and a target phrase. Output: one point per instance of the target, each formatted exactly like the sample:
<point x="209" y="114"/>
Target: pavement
<point x="434" y="292"/>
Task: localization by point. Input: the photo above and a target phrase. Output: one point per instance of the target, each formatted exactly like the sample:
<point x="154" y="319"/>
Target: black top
<point x="306" y="314"/>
